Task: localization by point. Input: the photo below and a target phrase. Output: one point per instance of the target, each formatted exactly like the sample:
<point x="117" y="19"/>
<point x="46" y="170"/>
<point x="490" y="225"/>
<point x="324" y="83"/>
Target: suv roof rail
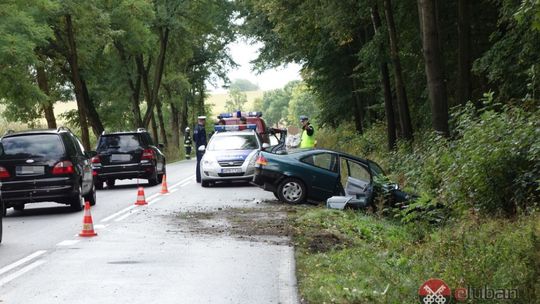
<point x="141" y="130"/>
<point x="62" y="128"/>
<point x="103" y="132"/>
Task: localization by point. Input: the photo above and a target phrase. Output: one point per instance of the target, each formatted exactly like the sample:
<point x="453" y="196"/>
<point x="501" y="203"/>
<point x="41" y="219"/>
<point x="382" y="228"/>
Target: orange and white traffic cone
<point x="88" y="225"/>
<point x="164" y="189"/>
<point x="141" y="200"/>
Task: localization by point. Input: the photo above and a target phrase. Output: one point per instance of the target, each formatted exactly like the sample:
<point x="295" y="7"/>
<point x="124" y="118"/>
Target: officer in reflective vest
<point x="199" y="136"/>
<point x="308" y="133"/>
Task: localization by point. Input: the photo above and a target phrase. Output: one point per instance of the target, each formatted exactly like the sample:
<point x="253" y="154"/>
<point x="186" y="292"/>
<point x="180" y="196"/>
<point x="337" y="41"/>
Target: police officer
<point x="308" y="133"/>
<point x="187" y="143"/>
<point x="199" y="136"/>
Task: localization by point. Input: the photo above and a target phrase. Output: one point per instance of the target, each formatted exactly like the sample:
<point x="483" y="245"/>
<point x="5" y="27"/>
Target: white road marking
<point x="185" y="184"/>
<point x="182" y="181"/>
<point x="287" y="277"/>
<point x="19" y="273"/>
<point x="68" y="242"/>
<point x="22" y="261"/>
<point x="100" y="226"/>
<point x="152" y="196"/>
<point x="173" y="190"/>
<point x="154" y="201"/>
<point x="123" y="217"/>
<point x="117" y="213"/>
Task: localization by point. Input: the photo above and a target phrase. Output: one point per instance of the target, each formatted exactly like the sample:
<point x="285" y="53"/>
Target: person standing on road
<point x="199" y="136"/>
<point x="187" y="143"/>
<point x="308" y="133"/>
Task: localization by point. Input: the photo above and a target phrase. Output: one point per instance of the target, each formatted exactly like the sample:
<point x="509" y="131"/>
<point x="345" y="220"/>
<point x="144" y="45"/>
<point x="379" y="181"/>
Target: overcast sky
<point x="242" y="53"/>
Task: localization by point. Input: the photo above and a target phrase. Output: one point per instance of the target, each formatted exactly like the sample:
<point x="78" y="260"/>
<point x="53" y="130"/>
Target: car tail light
<point x="96" y="160"/>
<point x="63" y="167"/>
<point x="4" y="173"/>
<point x="261" y="160"/>
<point x="148" y="154"/>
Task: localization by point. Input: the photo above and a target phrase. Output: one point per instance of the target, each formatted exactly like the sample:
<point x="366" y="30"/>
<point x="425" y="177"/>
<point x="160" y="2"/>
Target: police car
<point x="230" y="154"/>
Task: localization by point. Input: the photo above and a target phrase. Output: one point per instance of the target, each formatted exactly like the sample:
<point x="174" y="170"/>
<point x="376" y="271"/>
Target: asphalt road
<point x="143" y="254"/>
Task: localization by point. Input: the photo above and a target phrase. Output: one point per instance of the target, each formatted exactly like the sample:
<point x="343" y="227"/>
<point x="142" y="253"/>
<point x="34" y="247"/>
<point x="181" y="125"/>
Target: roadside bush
<point x="491" y="163"/>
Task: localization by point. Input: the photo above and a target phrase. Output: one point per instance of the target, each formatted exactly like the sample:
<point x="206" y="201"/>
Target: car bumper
<point x="266" y="179"/>
<point x="56" y="189"/>
<point x="125" y="171"/>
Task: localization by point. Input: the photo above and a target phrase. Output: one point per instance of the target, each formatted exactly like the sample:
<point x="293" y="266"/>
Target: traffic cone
<point x="141" y="200"/>
<point x="88" y="225"/>
<point x="164" y="189"/>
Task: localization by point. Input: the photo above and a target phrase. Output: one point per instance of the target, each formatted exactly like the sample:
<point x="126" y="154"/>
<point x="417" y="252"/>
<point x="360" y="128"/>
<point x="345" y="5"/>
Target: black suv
<point x="45" y="166"/>
<point x="125" y="155"/>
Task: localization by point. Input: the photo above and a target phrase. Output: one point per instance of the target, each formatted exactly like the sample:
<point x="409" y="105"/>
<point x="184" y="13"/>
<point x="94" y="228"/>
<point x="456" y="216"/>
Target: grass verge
<point x="350" y="257"/>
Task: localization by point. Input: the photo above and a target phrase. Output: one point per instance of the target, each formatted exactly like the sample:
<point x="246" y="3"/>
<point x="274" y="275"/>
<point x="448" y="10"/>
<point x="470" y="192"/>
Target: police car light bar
<point x="223" y="128"/>
<point x="238" y="114"/>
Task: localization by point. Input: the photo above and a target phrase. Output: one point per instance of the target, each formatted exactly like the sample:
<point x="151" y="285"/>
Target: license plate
<point x="231" y="170"/>
<point x="120" y="157"/>
<point x="30" y="170"/>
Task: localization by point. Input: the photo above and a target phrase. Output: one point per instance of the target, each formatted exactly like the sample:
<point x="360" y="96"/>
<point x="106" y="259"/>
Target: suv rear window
<point x="40" y="145"/>
<point x="119" y="142"/>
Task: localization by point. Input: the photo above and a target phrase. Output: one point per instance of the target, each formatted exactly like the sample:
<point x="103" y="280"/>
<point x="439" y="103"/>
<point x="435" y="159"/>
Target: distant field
<point x="219" y="100"/>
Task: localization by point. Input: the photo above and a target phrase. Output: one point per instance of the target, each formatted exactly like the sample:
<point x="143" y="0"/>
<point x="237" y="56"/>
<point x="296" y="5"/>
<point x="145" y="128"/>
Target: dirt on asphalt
<point x="265" y="221"/>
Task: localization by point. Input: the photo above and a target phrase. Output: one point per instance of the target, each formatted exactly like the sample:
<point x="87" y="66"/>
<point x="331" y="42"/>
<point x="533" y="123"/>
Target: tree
<point x="434" y="66"/>
<point x="236" y="101"/>
<point x="243" y="85"/>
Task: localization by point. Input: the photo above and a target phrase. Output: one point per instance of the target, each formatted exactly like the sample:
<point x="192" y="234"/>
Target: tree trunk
<point x="385" y="82"/>
<point x="358" y="107"/>
<point x="403" y="105"/>
<point x="77" y="83"/>
<point x="175" y="125"/>
<point x="434" y="67"/>
<point x="464" y="86"/>
<point x="158" y="73"/>
<point x="184" y="114"/>
<point x="46" y="106"/>
<point x="135" y="87"/>
<point x="154" y="128"/>
<point x="92" y="114"/>
<point x="161" y="122"/>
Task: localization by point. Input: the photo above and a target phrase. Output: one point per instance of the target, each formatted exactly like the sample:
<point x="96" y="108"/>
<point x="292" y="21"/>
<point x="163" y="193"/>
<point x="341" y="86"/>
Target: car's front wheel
<point x="292" y="191"/>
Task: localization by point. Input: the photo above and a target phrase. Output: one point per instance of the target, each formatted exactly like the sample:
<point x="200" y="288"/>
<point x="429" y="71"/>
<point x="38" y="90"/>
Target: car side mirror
<point x="161" y="146"/>
<point x="91" y="154"/>
<point x="202" y="148"/>
<point x="265" y="146"/>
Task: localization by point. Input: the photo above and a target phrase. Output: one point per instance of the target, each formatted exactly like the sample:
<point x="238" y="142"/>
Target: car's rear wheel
<point x="292" y="191"/>
<point x="110" y="183"/>
<point x="19" y="207"/>
<point x="91" y="197"/>
<point x="77" y="202"/>
<point x="154" y="179"/>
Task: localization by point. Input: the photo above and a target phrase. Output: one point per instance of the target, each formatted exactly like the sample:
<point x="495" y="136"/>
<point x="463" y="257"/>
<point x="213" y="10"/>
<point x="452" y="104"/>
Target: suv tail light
<point x="148" y="154"/>
<point x="63" y="167"/>
<point x="4" y="173"/>
<point x="261" y="160"/>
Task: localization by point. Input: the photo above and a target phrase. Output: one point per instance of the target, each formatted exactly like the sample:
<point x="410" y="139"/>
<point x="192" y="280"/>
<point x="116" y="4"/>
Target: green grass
<point x="348" y="257"/>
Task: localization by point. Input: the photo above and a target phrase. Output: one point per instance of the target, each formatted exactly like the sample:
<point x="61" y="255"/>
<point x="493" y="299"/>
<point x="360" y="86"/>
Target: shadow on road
<point x="60" y="209"/>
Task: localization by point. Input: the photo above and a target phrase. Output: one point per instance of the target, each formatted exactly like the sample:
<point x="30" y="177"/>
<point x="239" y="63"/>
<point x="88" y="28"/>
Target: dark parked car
<point x="316" y="174"/>
<point x="126" y="155"/>
<point x="45" y="165"/>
